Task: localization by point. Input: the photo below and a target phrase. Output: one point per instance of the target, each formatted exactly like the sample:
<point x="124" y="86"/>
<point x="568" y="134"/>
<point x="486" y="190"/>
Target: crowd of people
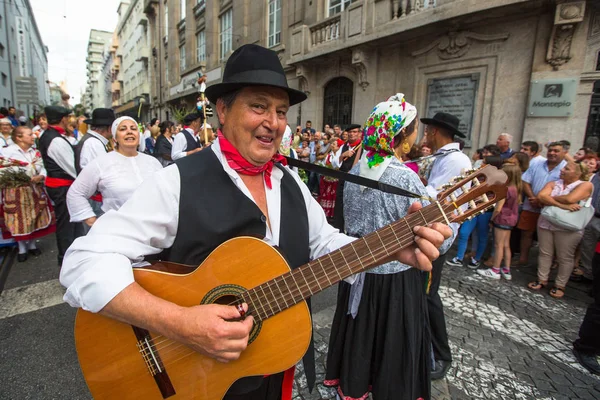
<point x="102" y="180"/>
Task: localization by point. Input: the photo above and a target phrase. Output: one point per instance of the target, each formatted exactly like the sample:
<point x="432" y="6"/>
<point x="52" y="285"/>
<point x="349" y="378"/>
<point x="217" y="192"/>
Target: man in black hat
<point x="187" y="142"/>
<point x="449" y="162"/>
<point x="347" y="156"/>
<point x="59" y="160"/>
<point x="96" y="141"/>
<point x="232" y="189"/>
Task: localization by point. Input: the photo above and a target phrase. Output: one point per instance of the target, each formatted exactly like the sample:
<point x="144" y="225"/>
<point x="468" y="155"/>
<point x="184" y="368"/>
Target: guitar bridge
<point x="153" y="362"/>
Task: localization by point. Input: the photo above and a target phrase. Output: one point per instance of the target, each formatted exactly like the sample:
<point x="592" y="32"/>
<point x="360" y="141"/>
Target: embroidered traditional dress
<point x="26" y="209"/>
<point x="328" y="189"/>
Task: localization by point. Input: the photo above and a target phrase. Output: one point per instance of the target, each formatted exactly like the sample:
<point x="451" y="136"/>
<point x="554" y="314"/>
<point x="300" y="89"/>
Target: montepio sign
<point x="552" y="98"/>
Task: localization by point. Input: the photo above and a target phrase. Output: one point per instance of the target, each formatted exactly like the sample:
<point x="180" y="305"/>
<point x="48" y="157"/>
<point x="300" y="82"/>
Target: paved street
<point x="508" y="343"/>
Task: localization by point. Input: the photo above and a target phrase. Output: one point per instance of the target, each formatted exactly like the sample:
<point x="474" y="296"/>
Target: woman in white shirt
<point x="116" y="175"/>
<point x="27" y="213"/>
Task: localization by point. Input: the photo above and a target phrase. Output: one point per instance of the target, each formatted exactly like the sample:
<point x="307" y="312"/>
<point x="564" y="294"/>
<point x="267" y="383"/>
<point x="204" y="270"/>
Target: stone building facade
<point x="526" y="67"/>
<point x="98" y="47"/>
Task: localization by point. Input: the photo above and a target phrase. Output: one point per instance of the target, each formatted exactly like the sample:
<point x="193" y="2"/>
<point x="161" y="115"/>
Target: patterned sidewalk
<point x="507" y="342"/>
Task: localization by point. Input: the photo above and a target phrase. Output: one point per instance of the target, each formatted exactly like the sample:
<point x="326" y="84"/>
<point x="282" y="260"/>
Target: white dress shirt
<point x="98" y="266"/>
<point x="143" y="137"/>
<point x="62" y="153"/>
<point x="5" y="142"/>
<point x="31" y="156"/>
<point x="112" y="174"/>
<point x="446" y="167"/>
<point x="92" y="148"/>
<point x="179" y="149"/>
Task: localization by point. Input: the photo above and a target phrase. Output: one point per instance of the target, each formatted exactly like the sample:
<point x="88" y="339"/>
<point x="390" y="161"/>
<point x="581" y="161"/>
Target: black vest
<point x="79" y="148"/>
<point x="53" y="169"/>
<point x="206" y="186"/>
<point x="192" y="143"/>
<point x="349" y="162"/>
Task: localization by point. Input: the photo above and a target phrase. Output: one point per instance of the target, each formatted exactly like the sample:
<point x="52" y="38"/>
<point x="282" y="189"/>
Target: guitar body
<point x="114" y="367"/>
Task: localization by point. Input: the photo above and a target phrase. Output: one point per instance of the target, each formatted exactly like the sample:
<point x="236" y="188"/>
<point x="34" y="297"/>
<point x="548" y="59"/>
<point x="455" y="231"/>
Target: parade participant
<point x="12" y="116"/>
<point x="27" y="213"/>
<point x="164" y="143"/>
<point x="115" y="175"/>
<point x="503" y="143"/>
<point x="565" y="193"/>
<point x="97" y="140"/>
<point x="151" y="141"/>
<point x="347" y="156"/>
<point x="534" y="180"/>
<point x="388" y="301"/>
<point x="187" y="141"/>
<point x="242" y="192"/>
<point x="59" y="160"/>
<point x="6" y="129"/>
<point x="328" y="185"/>
<point x="449" y="162"/>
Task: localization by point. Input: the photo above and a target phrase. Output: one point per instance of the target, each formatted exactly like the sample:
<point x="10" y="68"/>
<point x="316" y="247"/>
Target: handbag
<point x="569" y="220"/>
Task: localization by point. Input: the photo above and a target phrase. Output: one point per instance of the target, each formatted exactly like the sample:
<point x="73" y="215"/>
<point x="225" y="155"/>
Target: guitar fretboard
<point x="360" y="255"/>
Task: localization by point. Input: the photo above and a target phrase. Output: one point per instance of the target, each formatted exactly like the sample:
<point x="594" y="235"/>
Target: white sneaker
<point x="506" y="274"/>
<point x="489" y="273"/>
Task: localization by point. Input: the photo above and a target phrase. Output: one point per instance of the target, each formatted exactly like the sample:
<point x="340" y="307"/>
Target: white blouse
<point x="30" y="156"/>
<point x="112" y="174"/>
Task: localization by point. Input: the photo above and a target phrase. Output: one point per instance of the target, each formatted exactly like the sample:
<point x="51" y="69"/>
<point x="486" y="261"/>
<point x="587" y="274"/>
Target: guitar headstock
<point x="473" y="193"/>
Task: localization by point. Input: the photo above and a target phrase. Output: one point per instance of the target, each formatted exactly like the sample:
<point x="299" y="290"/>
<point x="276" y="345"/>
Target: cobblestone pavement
<point x="507" y="342"/>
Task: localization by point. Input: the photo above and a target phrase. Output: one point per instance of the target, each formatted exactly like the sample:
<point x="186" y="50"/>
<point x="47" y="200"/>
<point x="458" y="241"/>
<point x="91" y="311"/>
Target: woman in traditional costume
<point x="26" y="207"/>
<point x="380" y="341"/>
<point x="328" y="185"/>
<point x="116" y="175"/>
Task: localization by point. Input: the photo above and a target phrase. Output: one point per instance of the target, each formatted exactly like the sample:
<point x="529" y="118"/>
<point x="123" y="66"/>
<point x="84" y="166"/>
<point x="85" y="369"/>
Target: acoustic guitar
<point x="121" y="361"/>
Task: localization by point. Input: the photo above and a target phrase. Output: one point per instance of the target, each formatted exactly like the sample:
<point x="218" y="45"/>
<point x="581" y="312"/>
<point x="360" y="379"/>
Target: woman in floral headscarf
<point x="380" y="341"/>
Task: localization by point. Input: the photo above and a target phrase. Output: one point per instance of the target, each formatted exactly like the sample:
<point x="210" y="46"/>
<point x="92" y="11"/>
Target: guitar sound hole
<point x="231" y="295"/>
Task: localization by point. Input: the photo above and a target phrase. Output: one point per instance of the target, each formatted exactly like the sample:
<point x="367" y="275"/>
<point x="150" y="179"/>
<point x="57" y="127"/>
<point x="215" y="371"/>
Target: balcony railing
<point x="325" y="31"/>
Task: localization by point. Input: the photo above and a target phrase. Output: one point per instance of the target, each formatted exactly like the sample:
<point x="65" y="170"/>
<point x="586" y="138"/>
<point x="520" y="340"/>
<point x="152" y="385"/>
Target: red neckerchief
<point x="353" y="145"/>
<point x="58" y="128"/>
<point x="240" y="165"/>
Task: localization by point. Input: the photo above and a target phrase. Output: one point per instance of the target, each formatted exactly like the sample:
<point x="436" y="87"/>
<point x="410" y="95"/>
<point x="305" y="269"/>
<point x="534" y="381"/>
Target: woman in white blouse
<point x="27" y="213"/>
<point x="116" y="175"/>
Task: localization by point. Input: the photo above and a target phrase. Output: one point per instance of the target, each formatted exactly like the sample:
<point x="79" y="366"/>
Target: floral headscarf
<point x="385" y="122"/>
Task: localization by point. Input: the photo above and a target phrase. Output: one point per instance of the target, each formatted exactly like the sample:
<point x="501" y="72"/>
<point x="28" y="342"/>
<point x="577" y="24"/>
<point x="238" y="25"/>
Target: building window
<point x="337" y="6"/>
<point x="274" y="22"/>
<point x="201" y="46"/>
<point x="167" y="21"/>
<point x="597" y="62"/>
<point x="182" y="58"/>
<point x="4" y="79"/>
<point x="167" y="69"/>
<point x="182" y="8"/>
<point x="225" y="33"/>
<point x="1" y="50"/>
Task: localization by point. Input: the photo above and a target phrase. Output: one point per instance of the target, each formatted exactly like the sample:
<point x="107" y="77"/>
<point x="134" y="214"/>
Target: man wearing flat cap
<point x="59" y="160"/>
<point x="187" y="142"/>
<point x="449" y="162"/>
<point x="347" y="156"/>
<point x="236" y="187"/>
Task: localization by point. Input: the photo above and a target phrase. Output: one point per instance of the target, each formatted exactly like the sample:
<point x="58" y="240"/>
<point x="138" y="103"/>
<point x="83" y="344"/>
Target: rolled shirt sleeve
<point x="81" y="190"/>
<point x="179" y="147"/>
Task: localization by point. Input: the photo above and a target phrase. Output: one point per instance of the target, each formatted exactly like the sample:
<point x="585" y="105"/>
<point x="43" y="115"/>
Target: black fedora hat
<point x="445" y="121"/>
<point x="101" y="117"/>
<point x="253" y="65"/>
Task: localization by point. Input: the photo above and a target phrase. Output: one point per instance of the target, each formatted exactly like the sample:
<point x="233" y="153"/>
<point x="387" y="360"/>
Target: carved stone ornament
<point x="566" y="18"/>
<point x="456" y="44"/>
<point x="358" y="62"/>
<point x="302" y="79"/>
<point x="595" y="25"/>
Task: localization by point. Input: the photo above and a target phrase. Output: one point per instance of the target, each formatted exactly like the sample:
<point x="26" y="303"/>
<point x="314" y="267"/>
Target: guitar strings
<point x="323" y="273"/>
<point x="170" y="352"/>
<point x="318" y="279"/>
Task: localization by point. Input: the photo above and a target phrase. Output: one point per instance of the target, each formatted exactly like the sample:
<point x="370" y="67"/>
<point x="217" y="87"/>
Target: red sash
<point x="58" y="182"/>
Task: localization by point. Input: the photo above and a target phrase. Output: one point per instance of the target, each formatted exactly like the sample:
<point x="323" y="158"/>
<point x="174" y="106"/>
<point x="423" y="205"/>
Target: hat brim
<point x="99" y="122"/>
<point x="441" y="124"/>
<point x="214" y="92"/>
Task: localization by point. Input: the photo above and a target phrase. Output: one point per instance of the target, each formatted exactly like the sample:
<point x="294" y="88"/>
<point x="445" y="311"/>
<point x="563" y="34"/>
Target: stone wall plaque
<point x="552" y="98"/>
<point x="456" y="96"/>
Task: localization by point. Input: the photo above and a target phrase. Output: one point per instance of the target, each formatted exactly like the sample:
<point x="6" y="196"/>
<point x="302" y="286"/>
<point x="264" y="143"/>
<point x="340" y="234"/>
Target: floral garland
<point x="12" y="174"/>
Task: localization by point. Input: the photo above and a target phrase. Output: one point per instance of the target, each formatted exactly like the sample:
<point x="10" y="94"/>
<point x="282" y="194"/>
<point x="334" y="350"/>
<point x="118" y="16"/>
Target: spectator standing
<point x="6" y="129"/>
<point x="591" y="234"/>
<point x="534" y="180"/>
<point x="565" y="193"/>
<point x="12" y="116"/>
<point x="348" y="155"/>
<point x="308" y="129"/>
<point x="503" y="143"/>
<point x="151" y="141"/>
<point x="164" y="143"/>
<point x="533" y="150"/>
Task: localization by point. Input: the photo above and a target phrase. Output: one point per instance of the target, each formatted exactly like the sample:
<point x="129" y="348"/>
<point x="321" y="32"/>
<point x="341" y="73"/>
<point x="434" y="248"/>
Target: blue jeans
<point x="482" y="223"/>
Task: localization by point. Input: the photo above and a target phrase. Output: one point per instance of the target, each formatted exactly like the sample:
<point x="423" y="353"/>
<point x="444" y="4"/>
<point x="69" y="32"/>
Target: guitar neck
<point x="361" y="255"/>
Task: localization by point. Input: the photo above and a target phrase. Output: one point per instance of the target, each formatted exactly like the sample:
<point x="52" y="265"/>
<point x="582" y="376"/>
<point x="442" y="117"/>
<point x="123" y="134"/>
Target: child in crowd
<point x="504" y="219"/>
